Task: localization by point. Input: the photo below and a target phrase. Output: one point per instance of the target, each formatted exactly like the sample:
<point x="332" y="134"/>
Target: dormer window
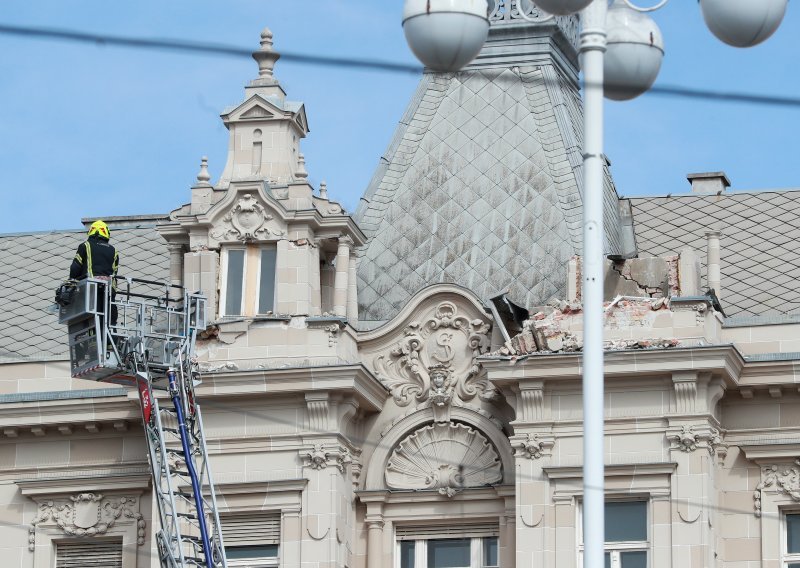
<point x="248" y="287"/>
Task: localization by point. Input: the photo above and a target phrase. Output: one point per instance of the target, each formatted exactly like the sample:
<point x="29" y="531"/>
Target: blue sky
<point x="95" y="130"/>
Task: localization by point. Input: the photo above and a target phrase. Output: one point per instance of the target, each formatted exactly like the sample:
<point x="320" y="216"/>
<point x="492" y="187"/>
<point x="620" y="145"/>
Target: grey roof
<point x="32" y="265"/>
<point x="760" y="259"/>
<point x="481" y="185"/>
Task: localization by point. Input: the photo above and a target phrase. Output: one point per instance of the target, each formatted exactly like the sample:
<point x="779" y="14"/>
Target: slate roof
<point x="760" y="257"/>
<point x="481" y="186"/>
<point x="32" y="265"/>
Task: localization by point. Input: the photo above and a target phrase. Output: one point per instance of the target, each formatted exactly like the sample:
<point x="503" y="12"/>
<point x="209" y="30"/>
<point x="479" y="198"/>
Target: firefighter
<point x="97" y="258"/>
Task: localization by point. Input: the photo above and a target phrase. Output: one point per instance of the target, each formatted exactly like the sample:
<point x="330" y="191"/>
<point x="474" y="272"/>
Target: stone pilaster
<point x="340" y="292"/>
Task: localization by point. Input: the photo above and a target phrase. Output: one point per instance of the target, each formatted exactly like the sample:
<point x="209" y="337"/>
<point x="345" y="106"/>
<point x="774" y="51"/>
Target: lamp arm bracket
<point x="658" y="6"/>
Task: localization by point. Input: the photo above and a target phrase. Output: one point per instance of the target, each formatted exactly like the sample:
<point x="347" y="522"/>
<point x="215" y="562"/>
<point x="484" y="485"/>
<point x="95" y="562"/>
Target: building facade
<point x="371" y="395"/>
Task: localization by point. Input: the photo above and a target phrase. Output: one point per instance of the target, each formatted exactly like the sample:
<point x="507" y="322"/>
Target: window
<point x="626" y="534"/>
<point x="467" y="546"/>
<point x="234" y="282"/>
<point x="249" y="283"/>
<point x="89" y="554"/>
<point x="251" y="540"/>
<point x="791" y="557"/>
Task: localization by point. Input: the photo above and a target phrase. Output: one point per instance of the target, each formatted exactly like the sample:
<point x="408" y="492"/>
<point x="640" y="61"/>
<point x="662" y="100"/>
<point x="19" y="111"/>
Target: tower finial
<point x="266" y="56"/>
<point x="203" y="177"/>
<point x="301" y="167"/>
<point x="323" y="190"/>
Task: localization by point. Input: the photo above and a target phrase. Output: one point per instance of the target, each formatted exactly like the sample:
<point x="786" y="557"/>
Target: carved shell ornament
<point x="446" y="346"/>
<point x="246" y="221"/>
<point x="445" y="457"/>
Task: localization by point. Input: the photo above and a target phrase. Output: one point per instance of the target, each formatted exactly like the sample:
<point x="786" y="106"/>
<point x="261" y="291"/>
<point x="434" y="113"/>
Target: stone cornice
<point x="41" y="485"/>
<point x="423" y="496"/>
<point x="71" y="414"/>
<point x="767" y="453"/>
<point x="255" y="487"/>
<point x="576" y="471"/>
<point x="354" y="379"/>
<point x="724" y="360"/>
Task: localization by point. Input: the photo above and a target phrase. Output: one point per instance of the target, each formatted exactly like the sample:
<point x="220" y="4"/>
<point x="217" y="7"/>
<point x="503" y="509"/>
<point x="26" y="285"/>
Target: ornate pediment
<point x="246" y="220"/>
<point x="444" y="457"/>
<point x="87" y="515"/>
<point x="435" y="362"/>
<point x="257" y="111"/>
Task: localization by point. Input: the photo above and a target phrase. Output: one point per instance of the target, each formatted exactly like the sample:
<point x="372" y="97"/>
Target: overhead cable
<point x="346" y="62"/>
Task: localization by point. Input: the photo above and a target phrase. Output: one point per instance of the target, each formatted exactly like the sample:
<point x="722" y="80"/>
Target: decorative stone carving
<point x="688" y="438"/>
<point x="246" y="221"/>
<point x="87" y="515"/>
<point x="507" y="11"/>
<point x="685" y="440"/>
<point x="446" y="457"/>
<point x="319" y="457"/>
<point x="444" y="347"/>
<point x="533" y="447"/>
<point x="441" y="392"/>
<point x="782" y="479"/>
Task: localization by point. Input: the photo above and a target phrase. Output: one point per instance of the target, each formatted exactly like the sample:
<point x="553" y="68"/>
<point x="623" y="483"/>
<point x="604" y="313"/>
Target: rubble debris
<point x="559" y="328"/>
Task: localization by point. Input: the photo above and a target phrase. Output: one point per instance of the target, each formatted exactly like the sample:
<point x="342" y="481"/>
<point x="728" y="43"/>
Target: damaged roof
<point x="760" y="258"/>
<point x="481" y="185"/>
<point x="32" y="265"/>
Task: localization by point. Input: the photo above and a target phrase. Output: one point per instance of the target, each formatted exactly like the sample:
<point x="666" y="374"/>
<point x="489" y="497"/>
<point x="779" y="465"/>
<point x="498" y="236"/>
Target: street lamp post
<point x="620" y="55"/>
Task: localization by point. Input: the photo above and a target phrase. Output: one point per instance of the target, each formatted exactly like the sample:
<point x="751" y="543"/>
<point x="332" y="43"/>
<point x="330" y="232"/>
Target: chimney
<point x="709" y="183"/>
<point x="713" y="274"/>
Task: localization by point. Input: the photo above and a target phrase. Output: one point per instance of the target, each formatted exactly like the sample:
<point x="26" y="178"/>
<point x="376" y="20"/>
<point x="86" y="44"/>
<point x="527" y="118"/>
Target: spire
<point x="266" y="56"/>
<point x="485" y="189"/>
<point x="203" y="177"/>
<point x="301" y="172"/>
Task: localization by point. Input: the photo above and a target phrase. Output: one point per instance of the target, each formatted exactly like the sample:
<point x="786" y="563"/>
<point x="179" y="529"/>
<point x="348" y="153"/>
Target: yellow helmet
<point x="99" y="228"/>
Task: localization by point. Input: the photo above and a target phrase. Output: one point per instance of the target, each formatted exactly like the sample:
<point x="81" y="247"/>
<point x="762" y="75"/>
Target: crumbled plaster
<point x="558" y="328"/>
<point x="653" y="277"/>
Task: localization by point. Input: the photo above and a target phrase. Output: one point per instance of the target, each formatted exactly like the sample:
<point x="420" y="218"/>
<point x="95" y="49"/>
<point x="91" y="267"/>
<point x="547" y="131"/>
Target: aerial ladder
<point x="150" y="347"/>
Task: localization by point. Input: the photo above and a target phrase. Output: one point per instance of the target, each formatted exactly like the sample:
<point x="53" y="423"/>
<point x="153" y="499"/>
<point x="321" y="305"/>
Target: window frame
<point x="261" y="249"/>
<point x="787" y="558"/>
<point x="223" y="291"/>
<point x="252" y="256"/>
<point x="256" y="561"/>
<point x="421" y="551"/>
<point x="616" y="548"/>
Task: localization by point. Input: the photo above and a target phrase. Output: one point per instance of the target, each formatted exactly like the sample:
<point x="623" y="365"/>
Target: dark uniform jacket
<point x="95" y="257"/>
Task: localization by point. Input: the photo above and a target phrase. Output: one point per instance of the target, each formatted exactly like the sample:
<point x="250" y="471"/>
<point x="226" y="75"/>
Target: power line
<point x="201" y="48"/>
<point x="186" y="46"/>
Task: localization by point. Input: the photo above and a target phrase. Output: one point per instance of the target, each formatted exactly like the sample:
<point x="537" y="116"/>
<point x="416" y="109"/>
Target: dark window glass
<point x="793" y="533"/>
<point x="794" y="565"/>
<point x="407" y="553"/>
<point x="243" y="552"/>
<point x="449" y="553"/>
<point x="626" y="520"/>
<point x="266" y="292"/>
<point x="234" y="279"/>
<point x="490" y="551"/>
<point x="634" y="559"/>
<point x="608" y="560"/>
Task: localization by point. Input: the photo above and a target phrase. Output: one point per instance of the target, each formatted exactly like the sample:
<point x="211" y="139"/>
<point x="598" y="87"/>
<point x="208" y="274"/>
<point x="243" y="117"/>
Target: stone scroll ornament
<point x="780" y="478"/>
<point x="86" y="515"/>
<point x="445" y="457"/>
<point x="436" y="361"/>
<point x="246" y="221"/>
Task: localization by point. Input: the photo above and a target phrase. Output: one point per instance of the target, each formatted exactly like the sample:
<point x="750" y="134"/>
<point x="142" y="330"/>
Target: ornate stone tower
<point x="481" y="185"/>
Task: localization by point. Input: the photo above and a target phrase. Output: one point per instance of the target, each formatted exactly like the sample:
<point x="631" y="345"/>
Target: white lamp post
<point x="624" y="45"/>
